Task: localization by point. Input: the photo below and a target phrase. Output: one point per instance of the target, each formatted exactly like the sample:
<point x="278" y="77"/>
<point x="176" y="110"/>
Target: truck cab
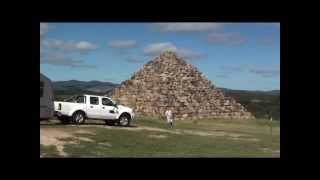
<point x="79" y="108"/>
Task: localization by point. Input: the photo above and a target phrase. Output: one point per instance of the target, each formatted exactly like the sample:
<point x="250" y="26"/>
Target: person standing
<point x="169" y="116"/>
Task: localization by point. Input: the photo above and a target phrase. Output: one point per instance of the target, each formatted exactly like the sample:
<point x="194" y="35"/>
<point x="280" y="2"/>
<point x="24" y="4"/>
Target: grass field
<point x="153" y="138"/>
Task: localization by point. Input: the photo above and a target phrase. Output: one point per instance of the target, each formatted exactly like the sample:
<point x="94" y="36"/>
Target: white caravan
<point x="46" y="98"/>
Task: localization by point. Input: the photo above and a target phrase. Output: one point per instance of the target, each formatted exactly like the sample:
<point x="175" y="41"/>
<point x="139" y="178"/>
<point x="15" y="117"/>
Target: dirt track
<point x="51" y="136"/>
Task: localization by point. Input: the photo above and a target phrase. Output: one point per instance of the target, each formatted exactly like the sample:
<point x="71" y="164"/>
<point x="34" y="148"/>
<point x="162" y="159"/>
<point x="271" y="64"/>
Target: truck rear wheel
<point x="78" y="117"/>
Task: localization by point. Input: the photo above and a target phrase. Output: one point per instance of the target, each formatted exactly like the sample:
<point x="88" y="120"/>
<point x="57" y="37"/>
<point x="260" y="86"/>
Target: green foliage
<point x="48" y="151"/>
<point x="262" y="105"/>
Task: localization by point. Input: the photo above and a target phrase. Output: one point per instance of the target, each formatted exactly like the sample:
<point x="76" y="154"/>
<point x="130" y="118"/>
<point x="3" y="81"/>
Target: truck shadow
<point x="86" y="124"/>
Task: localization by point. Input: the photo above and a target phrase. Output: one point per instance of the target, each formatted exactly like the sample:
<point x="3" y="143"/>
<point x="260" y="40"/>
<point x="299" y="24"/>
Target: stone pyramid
<point x="169" y="82"/>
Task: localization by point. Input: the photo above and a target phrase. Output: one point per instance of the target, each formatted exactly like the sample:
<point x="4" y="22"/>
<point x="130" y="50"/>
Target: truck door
<point x="93" y="107"/>
<point x="108" y="111"/>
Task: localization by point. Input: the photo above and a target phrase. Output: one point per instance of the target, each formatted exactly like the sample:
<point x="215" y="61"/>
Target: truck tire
<point x="64" y="119"/>
<point x="78" y="117"/>
<point x="124" y="120"/>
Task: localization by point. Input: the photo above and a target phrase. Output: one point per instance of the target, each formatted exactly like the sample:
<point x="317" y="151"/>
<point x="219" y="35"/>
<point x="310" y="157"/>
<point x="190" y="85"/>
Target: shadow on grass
<point x="48" y="123"/>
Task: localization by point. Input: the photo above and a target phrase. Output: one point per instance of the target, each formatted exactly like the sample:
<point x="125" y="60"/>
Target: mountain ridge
<point x="93" y="85"/>
<point x="57" y="85"/>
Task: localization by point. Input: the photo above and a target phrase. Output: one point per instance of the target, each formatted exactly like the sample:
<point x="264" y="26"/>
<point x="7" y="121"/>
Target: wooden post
<point x="271" y="128"/>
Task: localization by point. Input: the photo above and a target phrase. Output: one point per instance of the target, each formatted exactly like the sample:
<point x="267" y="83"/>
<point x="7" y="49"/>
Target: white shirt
<point x="168" y="114"/>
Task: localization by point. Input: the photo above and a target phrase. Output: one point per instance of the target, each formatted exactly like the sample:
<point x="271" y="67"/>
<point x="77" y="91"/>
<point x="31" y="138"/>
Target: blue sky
<point x="231" y="55"/>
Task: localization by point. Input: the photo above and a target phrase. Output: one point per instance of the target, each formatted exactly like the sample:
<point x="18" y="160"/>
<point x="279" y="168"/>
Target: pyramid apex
<point x="168" y="53"/>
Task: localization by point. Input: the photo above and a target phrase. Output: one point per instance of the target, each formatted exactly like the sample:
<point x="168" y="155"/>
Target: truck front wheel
<point x="124" y="120"/>
<point x="78" y="117"/>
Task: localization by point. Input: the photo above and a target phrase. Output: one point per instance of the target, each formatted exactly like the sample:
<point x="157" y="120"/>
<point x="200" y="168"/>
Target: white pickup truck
<point x="79" y="108"/>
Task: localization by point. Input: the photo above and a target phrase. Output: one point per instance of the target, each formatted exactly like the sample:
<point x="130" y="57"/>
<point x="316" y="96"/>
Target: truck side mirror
<point x="115" y="104"/>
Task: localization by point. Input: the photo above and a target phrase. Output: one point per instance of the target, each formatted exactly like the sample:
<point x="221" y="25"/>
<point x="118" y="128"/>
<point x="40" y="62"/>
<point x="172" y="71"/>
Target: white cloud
<point x="122" y="44"/>
<point x="225" y="38"/>
<point x="157" y="48"/>
<point x="59" y="59"/>
<point x="85" y="46"/>
<point x="48" y="55"/>
<point x="189" y="54"/>
<point x="265" y="72"/>
<point x="187" y="27"/>
<point x="81" y="46"/>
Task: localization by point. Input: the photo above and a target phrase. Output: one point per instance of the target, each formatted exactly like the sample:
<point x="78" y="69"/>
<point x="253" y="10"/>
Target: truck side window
<point x="80" y="99"/>
<point x="106" y="102"/>
<point x="94" y="100"/>
<point x="41" y="88"/>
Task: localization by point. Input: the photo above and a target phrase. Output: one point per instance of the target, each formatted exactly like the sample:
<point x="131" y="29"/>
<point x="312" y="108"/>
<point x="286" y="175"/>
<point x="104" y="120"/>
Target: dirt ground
<point x="54" y="136"/>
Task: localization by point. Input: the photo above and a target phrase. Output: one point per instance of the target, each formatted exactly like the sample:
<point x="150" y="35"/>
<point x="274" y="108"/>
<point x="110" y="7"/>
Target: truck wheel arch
<point x="125" y="114"/>
<point x="79" y="110"/>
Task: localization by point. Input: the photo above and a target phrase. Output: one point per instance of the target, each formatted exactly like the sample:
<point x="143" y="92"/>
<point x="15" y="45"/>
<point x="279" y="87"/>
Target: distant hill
<point x="261" y="103"/>
<point x="83" y="86"/>
<point x="272" y="92"/>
